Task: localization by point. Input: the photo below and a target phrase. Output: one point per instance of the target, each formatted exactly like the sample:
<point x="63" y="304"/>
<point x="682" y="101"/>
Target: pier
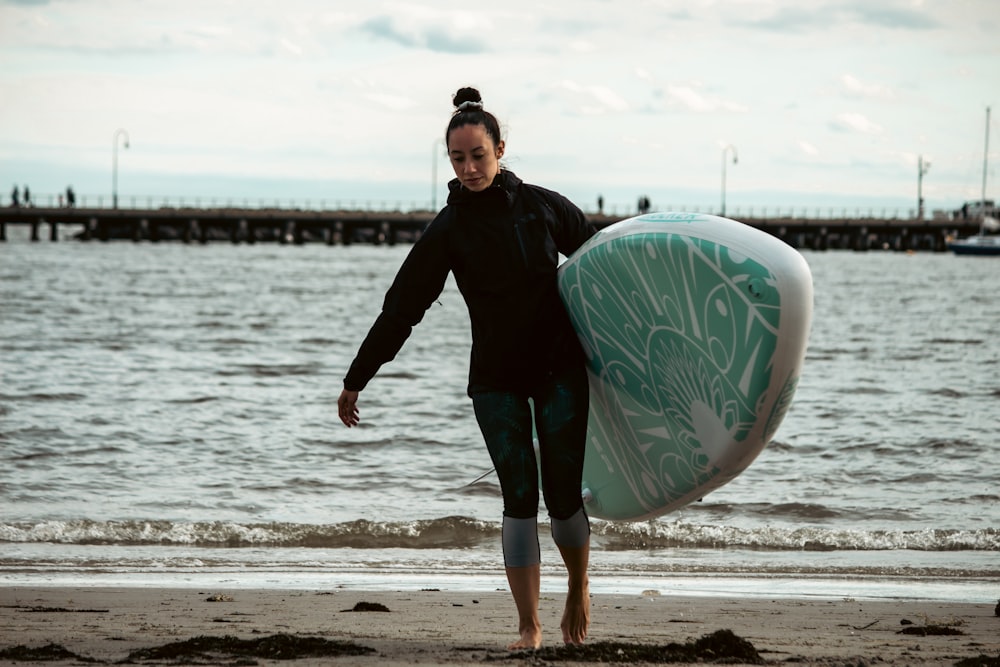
<point x="342" y="227"/>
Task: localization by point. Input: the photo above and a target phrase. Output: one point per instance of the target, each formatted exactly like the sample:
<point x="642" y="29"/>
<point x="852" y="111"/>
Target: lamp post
<point x="922" y="168"/>
<point x="114" y="165"/>
<point x="726" y="149"/>
<point x="434" y="172"/>
<point x="986" y="155"/>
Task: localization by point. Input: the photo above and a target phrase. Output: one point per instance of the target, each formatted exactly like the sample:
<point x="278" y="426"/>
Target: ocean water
<point x="167" y="417"/>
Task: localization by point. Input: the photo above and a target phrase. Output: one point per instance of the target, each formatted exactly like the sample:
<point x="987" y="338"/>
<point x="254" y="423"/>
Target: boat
<point x="982" y="243"/>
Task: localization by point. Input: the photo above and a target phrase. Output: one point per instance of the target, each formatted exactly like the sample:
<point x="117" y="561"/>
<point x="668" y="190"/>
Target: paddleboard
<point x="695" y="330"/>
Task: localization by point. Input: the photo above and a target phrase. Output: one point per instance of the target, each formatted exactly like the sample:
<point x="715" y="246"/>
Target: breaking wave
<point x="456" y="532"/>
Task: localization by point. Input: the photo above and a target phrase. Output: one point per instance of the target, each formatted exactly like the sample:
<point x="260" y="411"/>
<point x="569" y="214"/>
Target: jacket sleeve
<point x="572" y="227"/>
<point x="417" y="284"/>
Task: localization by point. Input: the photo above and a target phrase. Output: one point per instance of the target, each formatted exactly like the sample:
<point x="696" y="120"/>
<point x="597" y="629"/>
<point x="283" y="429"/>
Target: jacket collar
<point x="505" y="185"/>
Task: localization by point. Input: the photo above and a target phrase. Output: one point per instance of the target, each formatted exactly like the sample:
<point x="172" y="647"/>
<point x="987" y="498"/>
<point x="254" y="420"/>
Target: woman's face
<point x="474" y="157"/>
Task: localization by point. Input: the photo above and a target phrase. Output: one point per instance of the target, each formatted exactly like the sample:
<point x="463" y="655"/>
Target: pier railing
<point x="736" y="211"/>
<point x="192" y="224"/>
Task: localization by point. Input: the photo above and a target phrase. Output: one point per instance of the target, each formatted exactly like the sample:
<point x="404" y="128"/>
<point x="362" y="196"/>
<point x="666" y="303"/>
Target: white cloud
<point x="856" y="122"/>
<point x="417" y="26"/>
<point x="691" y="98"/>
<point x="854" y="87"/>
<point x="807" y="147"/>
<point x="390" y="102"/>
<point x="593" y="99"/>
<point x="583" y="46"/>
<point x="291" y="47"/>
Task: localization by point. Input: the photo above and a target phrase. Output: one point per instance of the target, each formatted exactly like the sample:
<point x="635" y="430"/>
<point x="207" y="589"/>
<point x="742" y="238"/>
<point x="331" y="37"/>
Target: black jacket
<point x="503" y="246"/>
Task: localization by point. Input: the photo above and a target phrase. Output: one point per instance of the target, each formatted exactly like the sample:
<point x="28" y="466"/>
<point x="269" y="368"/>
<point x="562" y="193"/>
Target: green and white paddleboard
<point x="695" y="329"/>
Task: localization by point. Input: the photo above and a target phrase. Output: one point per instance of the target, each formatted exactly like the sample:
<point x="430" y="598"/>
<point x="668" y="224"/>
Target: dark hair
<point x="469" y="111"/>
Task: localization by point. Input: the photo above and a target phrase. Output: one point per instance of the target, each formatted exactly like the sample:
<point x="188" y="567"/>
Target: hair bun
<point x="467" y="98"/>
<point x="469" y="111"/>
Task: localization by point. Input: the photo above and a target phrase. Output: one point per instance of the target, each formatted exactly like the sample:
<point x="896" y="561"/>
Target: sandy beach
<point x="73" y="625"/>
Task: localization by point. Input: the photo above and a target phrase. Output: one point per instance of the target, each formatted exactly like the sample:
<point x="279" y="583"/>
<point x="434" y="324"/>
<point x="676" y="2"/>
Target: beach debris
<point x="367" y="606"/>
<point x="946" y="620"/>
<point x="865" y="627"/>
<point x="203" y="649"/>
<point x="926" y="630"/>
<point x="219" y="597"/>
<point x="58" y="610"/>
<point x="721" y="646"/>
<point x="651" y="593"/>
<point x="932" y="626"/>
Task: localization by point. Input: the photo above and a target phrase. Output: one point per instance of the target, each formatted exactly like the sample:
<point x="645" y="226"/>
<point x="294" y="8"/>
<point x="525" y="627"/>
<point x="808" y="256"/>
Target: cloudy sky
<point x="825" y="103"/>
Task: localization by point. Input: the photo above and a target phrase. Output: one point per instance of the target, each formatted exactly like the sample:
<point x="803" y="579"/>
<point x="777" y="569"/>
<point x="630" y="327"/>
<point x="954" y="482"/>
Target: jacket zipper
<point x="520" y="243"/>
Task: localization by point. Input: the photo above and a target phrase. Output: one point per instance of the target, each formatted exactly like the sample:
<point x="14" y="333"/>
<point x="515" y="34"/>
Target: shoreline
<point x="699" y="584"/>
<point x="438" y="626"/>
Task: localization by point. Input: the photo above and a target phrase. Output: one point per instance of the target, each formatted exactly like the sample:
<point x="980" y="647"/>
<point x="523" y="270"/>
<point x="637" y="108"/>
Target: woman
<point x="501" y="238"/>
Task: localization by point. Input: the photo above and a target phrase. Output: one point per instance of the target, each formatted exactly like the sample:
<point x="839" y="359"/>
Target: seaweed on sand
<point x="720" y="647"/>
<point x="47" y="653"/>
<point x="204" y="649"/>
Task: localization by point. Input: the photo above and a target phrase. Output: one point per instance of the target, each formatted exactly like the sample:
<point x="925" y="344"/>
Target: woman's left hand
<point x="347" y="407"/>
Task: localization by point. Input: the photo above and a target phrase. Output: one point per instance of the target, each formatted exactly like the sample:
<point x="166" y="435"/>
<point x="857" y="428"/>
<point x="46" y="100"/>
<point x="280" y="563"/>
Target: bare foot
<point x="531" y="639"/>
<point x="524" y="585"/>
<point x="576" y="617"/>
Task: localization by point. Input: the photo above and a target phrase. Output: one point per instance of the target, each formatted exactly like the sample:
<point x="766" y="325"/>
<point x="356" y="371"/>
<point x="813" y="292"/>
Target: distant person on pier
<point x="600" y="204"/>
<point x="70" y="197"/>
<point x="501" y="238"/>
<point x="15" y="197"/>
<point x="27" y="196"/>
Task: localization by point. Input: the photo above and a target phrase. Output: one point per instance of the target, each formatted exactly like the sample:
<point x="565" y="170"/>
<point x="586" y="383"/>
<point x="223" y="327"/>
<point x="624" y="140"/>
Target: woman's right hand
<point x="347" y="408"/>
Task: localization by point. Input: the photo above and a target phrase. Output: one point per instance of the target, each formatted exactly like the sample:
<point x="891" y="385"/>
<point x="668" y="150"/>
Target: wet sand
<point x="71" y="625"/>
